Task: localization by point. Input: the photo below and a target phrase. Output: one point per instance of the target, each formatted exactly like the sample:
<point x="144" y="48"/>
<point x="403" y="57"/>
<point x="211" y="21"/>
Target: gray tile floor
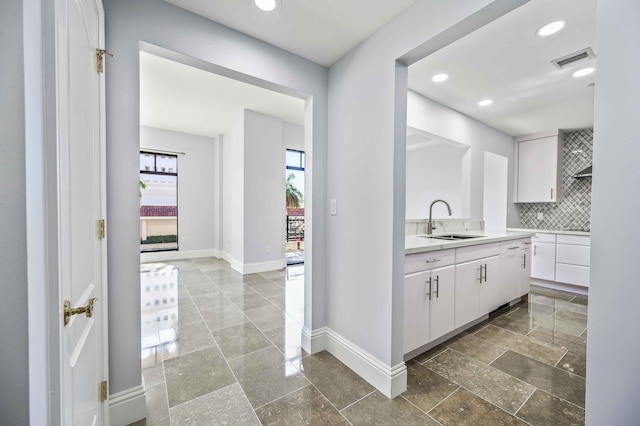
<point x="222" y="348"/>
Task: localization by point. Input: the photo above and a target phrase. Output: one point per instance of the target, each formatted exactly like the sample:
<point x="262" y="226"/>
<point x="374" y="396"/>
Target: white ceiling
<point x="504" y="61"/>
<point x="178" y="97"/>
<point x="507" y="62"/>
<point x="320" y="30"/>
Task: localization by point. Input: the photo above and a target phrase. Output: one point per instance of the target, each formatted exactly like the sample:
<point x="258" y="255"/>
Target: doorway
<point x="294" y="189"/>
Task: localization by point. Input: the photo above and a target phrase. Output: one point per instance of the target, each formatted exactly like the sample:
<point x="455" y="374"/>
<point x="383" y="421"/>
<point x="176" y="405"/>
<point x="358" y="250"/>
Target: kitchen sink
<point x="451" y="236"/>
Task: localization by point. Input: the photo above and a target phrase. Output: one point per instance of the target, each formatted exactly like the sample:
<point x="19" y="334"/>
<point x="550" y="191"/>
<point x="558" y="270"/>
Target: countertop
<point x="550" y="231"/>
<point x="420" y="244"/>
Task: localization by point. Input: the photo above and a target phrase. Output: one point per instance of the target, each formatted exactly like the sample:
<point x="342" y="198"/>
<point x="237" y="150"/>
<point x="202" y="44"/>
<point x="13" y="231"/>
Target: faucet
<point x="430" y="226"/>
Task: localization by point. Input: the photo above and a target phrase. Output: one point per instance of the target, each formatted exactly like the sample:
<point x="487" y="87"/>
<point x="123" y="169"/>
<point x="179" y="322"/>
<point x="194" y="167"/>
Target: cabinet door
<point x="543" y="261"/>
<point x="441" y="319"/>
<point x="525" y="272"/>
<point x="538" y="170"/>
<point x="510" y="260"/>
<point x="416" y="310"/>
<point x="490" y="286"/>
<point x="467" y="294"/>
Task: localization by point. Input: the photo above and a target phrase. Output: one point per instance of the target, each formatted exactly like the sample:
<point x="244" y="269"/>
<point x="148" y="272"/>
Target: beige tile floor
<point x="222" y="348"/>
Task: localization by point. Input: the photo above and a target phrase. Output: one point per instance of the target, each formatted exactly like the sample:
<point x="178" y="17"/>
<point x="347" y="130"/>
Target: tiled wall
<point x="574" y="212"/>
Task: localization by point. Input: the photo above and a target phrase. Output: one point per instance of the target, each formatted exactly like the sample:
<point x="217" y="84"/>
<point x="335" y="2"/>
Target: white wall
<point x="14" y="355"/>
<point x="435" y="118"/>
<point x="434" y="172"/>
<point x="496" y="181"/>
<point x="196" y="183"/>
<point x="264" y="189"/>
<point x="613" y="347"/>
<point x="292" y="136"/>
<point x="156" y="22"/>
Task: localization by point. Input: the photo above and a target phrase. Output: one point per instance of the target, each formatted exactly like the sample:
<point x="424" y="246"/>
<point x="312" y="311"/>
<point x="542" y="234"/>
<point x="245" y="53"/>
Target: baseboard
<point x="390" y="381"/>
<point x="255" y="268"/>
<point x="162" y="256"/>
<point x="561" y="286"/>
<point x="127" y="407"/>
<point x="226" y="256"/>
<point x="314" y="341"/>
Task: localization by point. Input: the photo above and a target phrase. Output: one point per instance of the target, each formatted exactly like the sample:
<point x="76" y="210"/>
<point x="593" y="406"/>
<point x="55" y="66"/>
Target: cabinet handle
<point x="514" y="248"/>
<point x="535" y="249"/>
<point x="552" y="193"/>
<point x="528" y="243"/>
<point x="428" y="293"/>
<point x="433" y="260"/>
<point x="437" y="286"/>
<point x="480" y="279"/>
<point x="524" y="260"/>
<point x="485" y="272"/>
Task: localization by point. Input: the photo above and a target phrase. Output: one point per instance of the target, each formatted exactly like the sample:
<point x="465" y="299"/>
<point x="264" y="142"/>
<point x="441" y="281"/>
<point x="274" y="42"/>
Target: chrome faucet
<point x="430" y="226"/>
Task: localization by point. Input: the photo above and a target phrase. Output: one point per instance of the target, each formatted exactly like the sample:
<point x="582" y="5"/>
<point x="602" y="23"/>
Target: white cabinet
<point x="573" y="259"/>
<point x="478" y="288"/>
<point x="525" y="270"/>
<point x="539" y="171"/>
<point x="543" y="257"/>
<point x="428" y="306"/>
<point x="510" y="266"/>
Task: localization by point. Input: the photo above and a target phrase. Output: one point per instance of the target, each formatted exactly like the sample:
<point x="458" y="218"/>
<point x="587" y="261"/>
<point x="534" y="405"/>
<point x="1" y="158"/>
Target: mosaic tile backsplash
<point x="574" y="211"/>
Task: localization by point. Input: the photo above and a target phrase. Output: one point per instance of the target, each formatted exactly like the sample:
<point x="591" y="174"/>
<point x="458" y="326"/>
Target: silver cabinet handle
<point x="524" y="260"/>
<point x="514" y="248"/>
<point x="429" y="292"/>
<point x="433" y="260"/>
<point x="485" y="272"/>
<point x="535" y="249"/>
<point x="528" y="243"/>
<point x="437" y="286"/>
<point x="480" y="279"/>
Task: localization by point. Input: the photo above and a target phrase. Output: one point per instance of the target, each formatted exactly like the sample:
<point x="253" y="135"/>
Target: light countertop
<point x="419" y="244"/>
<point x="550" y="231"/>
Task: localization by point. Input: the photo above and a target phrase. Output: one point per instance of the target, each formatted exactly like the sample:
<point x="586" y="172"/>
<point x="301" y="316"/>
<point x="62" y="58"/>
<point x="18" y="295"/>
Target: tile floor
<point x="222" y="348"/>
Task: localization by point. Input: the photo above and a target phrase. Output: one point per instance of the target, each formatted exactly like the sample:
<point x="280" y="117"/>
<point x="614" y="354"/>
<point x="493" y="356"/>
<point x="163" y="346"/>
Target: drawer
<point x="544" y="238"/>
<point x="580" y="240"/>
<point x="522" y="243"/>
<point x="429" y="260"/>
<point x="466" y="254"/>
<point x="572" y="274"/>
<point x="574" y="255"/>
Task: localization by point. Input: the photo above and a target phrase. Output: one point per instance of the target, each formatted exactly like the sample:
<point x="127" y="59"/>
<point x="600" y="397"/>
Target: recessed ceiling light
<point x="440" y="77"/>
<point x="266" y="5"/>
<point x="550" y="28"/>
<point x="583" y="72"/>
<point x="485" y="102"/>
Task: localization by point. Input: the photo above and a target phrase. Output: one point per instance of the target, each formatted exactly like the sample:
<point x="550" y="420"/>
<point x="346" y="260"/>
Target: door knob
<point x="87" y="310"/>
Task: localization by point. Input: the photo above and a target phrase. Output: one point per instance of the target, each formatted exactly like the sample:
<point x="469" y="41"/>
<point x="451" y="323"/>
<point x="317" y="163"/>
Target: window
<point x="158" y="202"/>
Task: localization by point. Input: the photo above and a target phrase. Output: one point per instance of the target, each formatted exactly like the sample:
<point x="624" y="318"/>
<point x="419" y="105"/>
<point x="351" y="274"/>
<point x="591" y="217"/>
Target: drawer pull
<point x="433" y="260"/>
<point x="437" y="286"/>
<point x="528" y="243"/>
<point x="514" y="248"/>
<point x="428" y="293"/>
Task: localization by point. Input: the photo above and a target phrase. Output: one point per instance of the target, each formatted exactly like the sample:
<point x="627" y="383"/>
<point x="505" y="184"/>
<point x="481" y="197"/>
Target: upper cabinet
<point x="539" y="168"/>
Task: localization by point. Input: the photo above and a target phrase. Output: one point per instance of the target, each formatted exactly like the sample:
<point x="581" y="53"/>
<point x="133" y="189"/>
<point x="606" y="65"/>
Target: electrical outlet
<point x="334" y="207"/>
<point x="540" y="216"/>
<point x="183" y="239"/>
<point x="267" y="249"/>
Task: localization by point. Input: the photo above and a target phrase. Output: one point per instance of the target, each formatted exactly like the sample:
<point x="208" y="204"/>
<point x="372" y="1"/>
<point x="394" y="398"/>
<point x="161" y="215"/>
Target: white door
<point x="79" y="32"/>
<point x="441" y="319"/>
<point x="543" y="262"/>
<point x="416" y="310"/>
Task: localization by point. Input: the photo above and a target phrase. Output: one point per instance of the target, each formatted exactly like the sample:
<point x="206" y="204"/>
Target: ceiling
<point x="322" y="31"/>
<point x="507" y="62"/>
<point x="178" y="97"/>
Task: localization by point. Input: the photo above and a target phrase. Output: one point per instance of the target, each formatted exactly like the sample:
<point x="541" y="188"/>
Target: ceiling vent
<point x="574" y="58"/>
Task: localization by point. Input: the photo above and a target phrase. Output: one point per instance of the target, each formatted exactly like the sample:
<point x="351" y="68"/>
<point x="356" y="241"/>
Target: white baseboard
<point x="561" y="286"/>
<point x="226" y="256"/>
<point x="391" y="381"/>
<point x="161" y="256"/>
<point x="255" y="268"/>
<point x="127" y="407"/>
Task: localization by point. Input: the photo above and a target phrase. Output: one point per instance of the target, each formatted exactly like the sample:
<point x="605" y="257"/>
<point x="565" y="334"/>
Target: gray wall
<point x="128" y="23"/>
<point x="14" y="374"/>
<point x="574" y="211"/>
<point x="613" y="349"/>
<point x="196" y="183"/>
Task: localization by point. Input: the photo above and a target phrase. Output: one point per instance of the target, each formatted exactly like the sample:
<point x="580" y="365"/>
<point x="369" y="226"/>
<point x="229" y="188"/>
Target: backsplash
<point x="574" y="212"/>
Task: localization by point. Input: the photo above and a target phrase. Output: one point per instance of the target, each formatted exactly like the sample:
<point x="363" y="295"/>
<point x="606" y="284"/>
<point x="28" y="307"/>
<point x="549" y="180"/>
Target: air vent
<point x="574" y="58"/>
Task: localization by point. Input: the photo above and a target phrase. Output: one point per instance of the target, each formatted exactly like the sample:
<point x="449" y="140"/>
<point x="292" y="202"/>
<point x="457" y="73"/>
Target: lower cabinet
<point x="428" y="306"/>
<point x="478" y="289"/>
<point x="544" y="257"/>
<point x="525" y="271"/>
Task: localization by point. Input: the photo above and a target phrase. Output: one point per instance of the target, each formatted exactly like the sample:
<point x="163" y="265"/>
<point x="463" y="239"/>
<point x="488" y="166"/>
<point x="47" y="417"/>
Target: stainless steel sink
<point x="451" y="236"/>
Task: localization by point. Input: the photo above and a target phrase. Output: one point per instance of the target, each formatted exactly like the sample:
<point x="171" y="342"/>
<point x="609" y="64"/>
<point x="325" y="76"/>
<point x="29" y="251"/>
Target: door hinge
<point x="103" y="391"/>
<point x="100" y="59"/>
<point x="101" y="229"/>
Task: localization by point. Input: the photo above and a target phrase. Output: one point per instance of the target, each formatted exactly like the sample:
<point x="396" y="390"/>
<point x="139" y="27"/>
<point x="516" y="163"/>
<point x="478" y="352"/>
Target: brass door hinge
<point x="103" y="391"/>
<point x="101" y="229"/>
<point x="100" y="59"/>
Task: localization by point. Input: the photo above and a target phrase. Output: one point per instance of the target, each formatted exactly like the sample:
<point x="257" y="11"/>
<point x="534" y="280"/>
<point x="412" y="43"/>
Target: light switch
<point x="540" y="216"/>
<point x="334" y="207"/>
